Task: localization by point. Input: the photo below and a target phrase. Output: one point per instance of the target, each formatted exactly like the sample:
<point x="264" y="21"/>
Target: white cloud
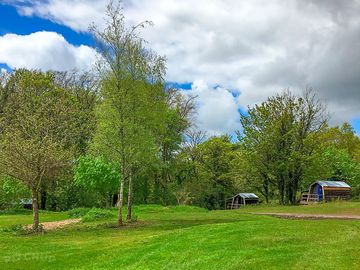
<point x="76" y="14"/>
<point x="254" y="47"/>
<point x="44" y="50"/>
<point x="217" y="109"/>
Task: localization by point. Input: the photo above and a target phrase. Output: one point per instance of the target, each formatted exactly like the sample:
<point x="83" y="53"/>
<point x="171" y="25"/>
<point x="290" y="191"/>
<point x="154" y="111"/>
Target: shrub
<point x="97" y="214"/>
<point x="78" y="212"/>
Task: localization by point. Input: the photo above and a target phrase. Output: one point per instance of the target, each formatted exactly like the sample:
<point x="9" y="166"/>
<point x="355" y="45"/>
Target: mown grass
<point x="190" y="238"/>
<point x="25" y="217"/>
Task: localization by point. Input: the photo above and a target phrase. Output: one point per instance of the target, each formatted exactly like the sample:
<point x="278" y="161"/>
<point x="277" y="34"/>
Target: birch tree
<point x="132" y="99"/>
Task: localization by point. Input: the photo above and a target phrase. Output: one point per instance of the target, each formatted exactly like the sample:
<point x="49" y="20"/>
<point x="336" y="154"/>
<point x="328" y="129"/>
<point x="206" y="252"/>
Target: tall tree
<point x="280" y="135"/>
<point x="215" y="165"/>
<point x="132" y="99"/>
<point x="38" y="126"/>
<point x="336" y="156"/>
<point x="177" y="120"/>
<point x="83" y="88"/>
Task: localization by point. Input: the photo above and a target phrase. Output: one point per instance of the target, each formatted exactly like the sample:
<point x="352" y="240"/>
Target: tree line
<point x="120" y="135"/>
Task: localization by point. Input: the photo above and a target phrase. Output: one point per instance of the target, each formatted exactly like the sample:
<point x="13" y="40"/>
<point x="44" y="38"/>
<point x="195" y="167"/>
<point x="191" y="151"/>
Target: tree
<point x="336" y="157"/>
<point x="132" y="100"/>
<point x="177" y="120"/>
<point x="280" y="136"/>
<point x="341" y="137"/>
<point x="83" y="88"/>
<point x="38" y="128"/>
<point x="215" y="180"/>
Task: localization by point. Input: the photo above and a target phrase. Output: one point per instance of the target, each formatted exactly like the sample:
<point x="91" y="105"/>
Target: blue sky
<point x="228" y="61"/>
<point x="11" y="22"/>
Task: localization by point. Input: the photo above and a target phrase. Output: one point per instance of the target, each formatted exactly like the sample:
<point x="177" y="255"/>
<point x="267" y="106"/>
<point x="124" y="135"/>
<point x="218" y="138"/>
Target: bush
<point x="78" y="212"/>
<point x="91" y="214"/>
<point x="97" y="214"/>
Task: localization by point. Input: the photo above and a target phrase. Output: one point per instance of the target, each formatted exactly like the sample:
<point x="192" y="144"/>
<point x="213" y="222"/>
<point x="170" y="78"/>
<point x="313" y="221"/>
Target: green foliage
<point x="134" y="117"/>
<point x="340" y="165"/>
<point x="214" y="167"/>
<point x="39" y="130"/>
<point x="336" y="158"/>
<point x="19" y="229"/>
<point x="95" y="214"/>
<point x="78" y="212"/>
<point x="279" y="137"/>
<point x="91" y="214"/>
<point x="206" y="173"/>
<point x="11" y="191"/>
<point x="16" y="211"/>
<point x="97" y="175"/>
<point x="16" y="229"/>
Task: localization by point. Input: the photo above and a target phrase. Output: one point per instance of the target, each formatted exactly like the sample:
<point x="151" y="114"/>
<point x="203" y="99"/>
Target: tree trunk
<point x="129" y="207"/>
<point x="289" y="192"/>
<point x="157" y="189"/>
<point x="120" y="202"/>
<point x="43" y="197"/>
<point x="35" y="206"/>
<point x="108" y="199"/>
<point x="281" y="189"/>
<point x="266" y="190"/>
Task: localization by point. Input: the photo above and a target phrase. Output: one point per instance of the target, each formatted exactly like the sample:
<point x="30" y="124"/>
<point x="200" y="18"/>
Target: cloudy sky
<point x="230" y="54"/>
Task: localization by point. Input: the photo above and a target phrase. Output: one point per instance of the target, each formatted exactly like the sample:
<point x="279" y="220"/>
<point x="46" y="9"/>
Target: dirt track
<point x="309" y="216"/>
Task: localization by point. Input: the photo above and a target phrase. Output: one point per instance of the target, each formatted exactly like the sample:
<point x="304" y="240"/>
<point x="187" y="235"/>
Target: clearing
<point x="185" y="237"/>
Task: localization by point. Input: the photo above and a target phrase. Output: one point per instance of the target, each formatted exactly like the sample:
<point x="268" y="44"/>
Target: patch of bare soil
<point x="53" y="225"/>
<point x="310" y="216"/>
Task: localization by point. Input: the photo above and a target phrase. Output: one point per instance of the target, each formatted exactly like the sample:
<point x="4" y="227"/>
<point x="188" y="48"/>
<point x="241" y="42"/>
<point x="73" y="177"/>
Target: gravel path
<point x="53" y="225"/>
<point x="309" y="216"/>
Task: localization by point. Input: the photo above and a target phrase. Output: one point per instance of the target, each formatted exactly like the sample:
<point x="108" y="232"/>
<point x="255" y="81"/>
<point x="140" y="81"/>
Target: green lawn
<point x="190" y="238"/>
<point x="26" y="218"/>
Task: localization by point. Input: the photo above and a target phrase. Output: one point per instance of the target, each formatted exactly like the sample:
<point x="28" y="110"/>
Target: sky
<point x="230" y="54"/>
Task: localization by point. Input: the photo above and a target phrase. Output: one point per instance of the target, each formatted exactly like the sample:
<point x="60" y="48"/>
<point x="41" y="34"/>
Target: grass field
<point x="190" y="238"/>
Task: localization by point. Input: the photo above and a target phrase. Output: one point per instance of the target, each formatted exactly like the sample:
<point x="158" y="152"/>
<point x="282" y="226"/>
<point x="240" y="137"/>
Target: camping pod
<point x="328" y="191"/>
<point x="241" y="199"/>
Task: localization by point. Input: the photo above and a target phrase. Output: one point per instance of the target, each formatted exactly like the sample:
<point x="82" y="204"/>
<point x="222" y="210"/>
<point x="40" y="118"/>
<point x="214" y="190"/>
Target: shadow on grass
<point x="160" y="224"/>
